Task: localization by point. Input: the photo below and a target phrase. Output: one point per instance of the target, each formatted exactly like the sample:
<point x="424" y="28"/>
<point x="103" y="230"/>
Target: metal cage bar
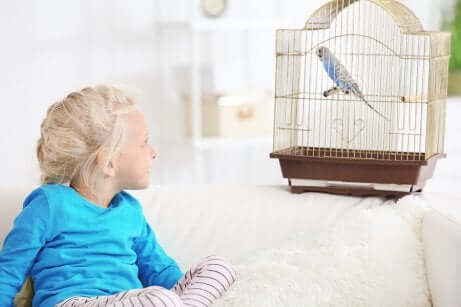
<point x="401" y="72"/>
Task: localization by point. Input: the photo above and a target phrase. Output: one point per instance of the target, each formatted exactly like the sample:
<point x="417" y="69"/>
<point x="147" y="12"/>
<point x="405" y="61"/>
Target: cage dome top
<point x="402" y="15"/>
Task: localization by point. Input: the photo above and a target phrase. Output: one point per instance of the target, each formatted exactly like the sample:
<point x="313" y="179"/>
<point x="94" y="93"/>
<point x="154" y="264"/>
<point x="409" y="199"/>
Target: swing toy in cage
<point x="360" y="100"/>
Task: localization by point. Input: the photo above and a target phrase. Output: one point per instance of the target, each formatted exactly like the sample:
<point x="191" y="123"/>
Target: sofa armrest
<point x="441" y="235"/>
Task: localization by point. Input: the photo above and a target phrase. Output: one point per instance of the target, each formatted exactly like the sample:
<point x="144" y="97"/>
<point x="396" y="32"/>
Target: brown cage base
<point x="336" y="166"/>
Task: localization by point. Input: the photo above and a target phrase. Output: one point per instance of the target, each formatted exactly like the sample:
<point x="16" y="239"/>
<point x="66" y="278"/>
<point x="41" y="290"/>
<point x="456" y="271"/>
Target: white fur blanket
<point x="371" y="257"/>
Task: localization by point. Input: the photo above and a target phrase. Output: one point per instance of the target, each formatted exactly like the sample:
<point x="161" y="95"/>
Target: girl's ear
<point x="108" y="169"/>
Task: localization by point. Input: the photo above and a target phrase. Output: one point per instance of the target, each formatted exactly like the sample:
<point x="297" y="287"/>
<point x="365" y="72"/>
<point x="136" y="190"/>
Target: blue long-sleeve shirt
<point x="71" y="247"/>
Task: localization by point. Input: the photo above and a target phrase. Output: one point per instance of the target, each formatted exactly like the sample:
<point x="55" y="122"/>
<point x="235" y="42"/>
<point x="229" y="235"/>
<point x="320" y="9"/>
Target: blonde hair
<point x="76" y="129"/>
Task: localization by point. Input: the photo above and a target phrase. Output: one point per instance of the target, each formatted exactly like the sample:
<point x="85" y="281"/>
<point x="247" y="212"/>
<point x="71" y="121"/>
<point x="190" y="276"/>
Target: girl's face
<point x="135" y="160"/>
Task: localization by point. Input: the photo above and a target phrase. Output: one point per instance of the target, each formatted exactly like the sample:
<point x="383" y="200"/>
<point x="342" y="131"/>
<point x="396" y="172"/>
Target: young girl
<point x="88" y="243"/>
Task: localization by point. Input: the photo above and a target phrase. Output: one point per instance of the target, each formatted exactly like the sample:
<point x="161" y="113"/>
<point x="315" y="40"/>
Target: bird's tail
<point x="371" y="107"/>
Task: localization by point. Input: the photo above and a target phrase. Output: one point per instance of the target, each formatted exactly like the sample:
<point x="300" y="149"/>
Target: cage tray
<point x="355" y="172"/>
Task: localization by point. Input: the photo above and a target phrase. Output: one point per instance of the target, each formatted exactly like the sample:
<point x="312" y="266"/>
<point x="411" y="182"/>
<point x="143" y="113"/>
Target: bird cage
<point x="360" y="100"/>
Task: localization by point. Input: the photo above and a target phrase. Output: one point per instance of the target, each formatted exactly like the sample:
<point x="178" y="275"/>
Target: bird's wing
<point x="342" y="73"/>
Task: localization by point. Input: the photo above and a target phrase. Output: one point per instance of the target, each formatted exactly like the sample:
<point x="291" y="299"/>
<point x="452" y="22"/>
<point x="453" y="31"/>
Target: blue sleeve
<point x="156" y="268"/>
<point x="22" y="244"/>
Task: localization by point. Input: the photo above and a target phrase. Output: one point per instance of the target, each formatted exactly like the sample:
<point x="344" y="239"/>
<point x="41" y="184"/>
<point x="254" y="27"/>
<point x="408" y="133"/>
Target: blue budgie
<point x="341" y="77"/>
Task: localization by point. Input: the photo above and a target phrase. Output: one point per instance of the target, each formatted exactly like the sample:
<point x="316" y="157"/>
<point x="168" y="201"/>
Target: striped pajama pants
<point x="201" y="286"/>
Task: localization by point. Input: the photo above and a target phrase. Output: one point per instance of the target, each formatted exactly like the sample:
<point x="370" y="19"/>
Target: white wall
<point x="50" y="47"/>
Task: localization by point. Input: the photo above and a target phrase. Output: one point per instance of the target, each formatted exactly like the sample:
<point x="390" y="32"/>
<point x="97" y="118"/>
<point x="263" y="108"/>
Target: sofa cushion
<point x="308" y="249"/>
<point x="371" y="257"/>
<point x="192" y="221"/>
<point x="442" y="247"/>
<point x="25" y="295"/>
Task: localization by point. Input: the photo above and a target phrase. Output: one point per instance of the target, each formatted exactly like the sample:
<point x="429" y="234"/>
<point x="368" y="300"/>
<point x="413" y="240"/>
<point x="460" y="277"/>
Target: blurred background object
<point x="203" y="72"/>
<point x="452" y="23"/>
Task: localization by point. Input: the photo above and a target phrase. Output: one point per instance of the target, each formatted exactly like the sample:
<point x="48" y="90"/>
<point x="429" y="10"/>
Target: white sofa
<point x="249" y="223"/>
<point x="311" y="249"/>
